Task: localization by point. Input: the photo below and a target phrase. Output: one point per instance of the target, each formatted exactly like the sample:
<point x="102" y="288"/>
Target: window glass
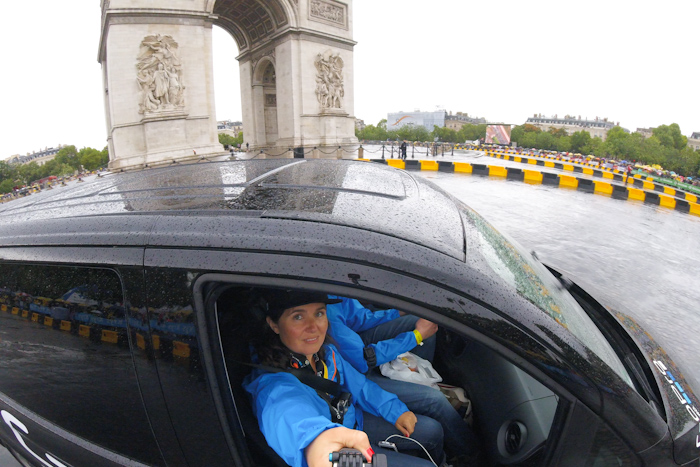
<point x="537" y="285"/>
<point x="64" y="355"/>
<point x="607" y="451"/>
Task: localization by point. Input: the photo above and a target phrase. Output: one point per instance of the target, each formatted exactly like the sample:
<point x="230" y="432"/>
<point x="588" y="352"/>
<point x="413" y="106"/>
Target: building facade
<point x="459" y="119"/>
<point x="596" y="128"/>
<point x="229" y="128"/>
<point x="428" y="120"/>
<point x="40" y="157"/>
<point x="694" y="141"/>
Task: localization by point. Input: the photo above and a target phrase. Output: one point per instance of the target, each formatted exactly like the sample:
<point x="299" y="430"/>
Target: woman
<point x="296" y="418"/>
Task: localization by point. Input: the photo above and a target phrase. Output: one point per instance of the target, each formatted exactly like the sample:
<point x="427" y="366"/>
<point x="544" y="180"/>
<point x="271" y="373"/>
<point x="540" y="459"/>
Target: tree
<point x="615" y="143"/>
<point x="580" y="140"/>
<point x="68" y="155"/>
<point x="6" y="186"/>
<point x="7" y="171"/>
<point x="444" y="134"/>
<point x="471" y="132"/>
<point x="227" y="140"/>
<point x="670" y="136"/>
<point x="558" y="132"/>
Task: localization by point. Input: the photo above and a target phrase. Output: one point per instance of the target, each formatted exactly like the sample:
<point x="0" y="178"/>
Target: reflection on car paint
<point x="16" y="426"/>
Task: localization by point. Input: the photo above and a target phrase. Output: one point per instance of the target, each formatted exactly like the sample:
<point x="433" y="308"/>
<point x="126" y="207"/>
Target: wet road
<point x="641" y="259"/>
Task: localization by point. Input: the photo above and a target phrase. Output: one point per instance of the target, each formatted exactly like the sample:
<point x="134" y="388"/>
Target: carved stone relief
<point x="159" y="75"/>
<point x="271" y="100"/>
<point x="329" y="81"/>
<point x="327" y="11"/>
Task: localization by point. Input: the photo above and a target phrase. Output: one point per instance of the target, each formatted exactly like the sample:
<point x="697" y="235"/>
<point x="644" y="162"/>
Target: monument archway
<point x="296" y="77"/>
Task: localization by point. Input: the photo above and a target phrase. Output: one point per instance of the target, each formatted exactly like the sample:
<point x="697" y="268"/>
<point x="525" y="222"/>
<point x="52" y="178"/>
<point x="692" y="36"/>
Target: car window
<point x="512" y="411"/>
<point x="607" y="450"/>
<point x="506" y="260"/>
<point x="64" y="355"/>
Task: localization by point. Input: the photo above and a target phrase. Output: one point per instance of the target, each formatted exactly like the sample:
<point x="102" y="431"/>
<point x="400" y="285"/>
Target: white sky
<point x="634" y="62"/>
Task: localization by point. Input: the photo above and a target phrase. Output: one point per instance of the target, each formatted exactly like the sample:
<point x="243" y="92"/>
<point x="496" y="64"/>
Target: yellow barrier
<point x="84" y="330"/>
<point x="398" y="163"/>
<point x="648" y="186"/>
<point x="48" y="321"/>
<point x="463" y="167"/>
<point x="608" y="175"/>
<point x="111" y="337"/>
<point x="549" y="164"/>
<point x="568" y="167"/>
<point x="180" y="349"/>
<point x="532" y="176"/>
<point x="140" y="341"/>
<point x="667" y="201"/>
<point x="3" y="307"/>
<point x="155" y="339"/>
<point x="568" y="181"/>
<point x="532" y="161"/>
<point x="35" y="317"/>
<point x="695" y="209"/>
<point x="636" y="193"/>
<point x="15" y="311"/>
<point x="65" y="325"/>
<point x="603" y="187"/>
<point x="669" y="191"/>
<point x="518" y="159"/>
<point x="25" y="313"/>
<point x="428" y="165"/>
<point x="497" y="171"/>
<point x="587" y="171"/>
<point x="691" y="198"/>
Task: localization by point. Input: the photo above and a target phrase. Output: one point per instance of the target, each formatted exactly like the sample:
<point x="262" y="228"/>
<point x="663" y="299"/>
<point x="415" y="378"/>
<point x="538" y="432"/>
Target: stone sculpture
<point x="159" y="75"/>
<point x="329" y="81"/>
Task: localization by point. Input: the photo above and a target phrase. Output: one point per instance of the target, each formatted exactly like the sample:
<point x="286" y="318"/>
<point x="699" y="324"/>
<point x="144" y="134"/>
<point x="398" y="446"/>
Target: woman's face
<point x="302" y="329"/>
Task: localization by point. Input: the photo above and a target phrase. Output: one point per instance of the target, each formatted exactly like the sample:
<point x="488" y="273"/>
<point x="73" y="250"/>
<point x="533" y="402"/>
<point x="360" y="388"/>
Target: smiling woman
<point x="283" y="404"/>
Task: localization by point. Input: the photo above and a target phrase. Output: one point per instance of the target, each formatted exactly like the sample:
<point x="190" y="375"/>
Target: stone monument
<point x="296" y="74"/>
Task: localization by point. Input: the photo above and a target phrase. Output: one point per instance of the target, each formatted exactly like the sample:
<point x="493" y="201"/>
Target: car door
<point x="69" y="394"/>
<point x="529" y="366"/>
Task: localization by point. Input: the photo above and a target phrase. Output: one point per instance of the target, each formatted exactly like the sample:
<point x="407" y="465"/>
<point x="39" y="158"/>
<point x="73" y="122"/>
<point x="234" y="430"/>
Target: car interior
<point x="511" y="412"/>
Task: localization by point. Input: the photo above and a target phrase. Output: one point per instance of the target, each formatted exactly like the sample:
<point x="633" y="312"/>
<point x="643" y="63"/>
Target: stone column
<point x="158" y="76"/>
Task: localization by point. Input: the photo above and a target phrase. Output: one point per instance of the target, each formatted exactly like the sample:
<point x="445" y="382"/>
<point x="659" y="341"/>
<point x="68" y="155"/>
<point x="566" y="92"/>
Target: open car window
<point x="510" y="410"/>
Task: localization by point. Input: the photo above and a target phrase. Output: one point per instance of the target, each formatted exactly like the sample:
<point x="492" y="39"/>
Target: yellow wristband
<point x="419" y="338"/>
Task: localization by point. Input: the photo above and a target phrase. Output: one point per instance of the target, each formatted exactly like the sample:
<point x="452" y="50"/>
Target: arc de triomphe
<point x="296" y="74"/>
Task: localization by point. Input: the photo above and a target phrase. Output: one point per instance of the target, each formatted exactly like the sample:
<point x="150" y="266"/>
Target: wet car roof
<point x="366" y="196"/>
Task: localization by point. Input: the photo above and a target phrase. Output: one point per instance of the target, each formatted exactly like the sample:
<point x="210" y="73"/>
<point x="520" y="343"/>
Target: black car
<point x="125" y="304"/>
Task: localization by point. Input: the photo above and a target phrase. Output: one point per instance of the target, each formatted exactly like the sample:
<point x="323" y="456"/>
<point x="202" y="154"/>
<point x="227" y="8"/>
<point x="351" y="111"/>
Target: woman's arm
<point x="334" y="440"/>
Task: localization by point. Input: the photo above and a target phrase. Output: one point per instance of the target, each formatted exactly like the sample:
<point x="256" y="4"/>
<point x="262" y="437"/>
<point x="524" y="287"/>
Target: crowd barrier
<point x="637" y="180"/>
<point x="663" y="199"/>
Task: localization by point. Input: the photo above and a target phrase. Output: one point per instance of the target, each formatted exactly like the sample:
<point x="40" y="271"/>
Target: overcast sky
<point x="634" y="62"/>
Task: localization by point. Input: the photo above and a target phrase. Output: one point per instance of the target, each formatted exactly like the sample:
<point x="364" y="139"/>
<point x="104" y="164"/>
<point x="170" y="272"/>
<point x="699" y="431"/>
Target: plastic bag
<point x="411" y="368"/>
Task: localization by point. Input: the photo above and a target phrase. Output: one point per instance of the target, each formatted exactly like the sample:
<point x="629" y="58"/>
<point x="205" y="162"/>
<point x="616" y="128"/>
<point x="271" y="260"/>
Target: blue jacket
<point x="349" y="317"/>
<point x="291" y="414"/>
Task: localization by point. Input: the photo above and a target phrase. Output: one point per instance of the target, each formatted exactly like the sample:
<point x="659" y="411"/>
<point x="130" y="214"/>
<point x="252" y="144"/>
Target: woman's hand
<point x="334" y="440"/>
<point x="406" y="423"/>
<point x="426" y="328"/>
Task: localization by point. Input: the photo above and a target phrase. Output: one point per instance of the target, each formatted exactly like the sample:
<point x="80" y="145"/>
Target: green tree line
<point x="68" y="160"/>
<point x="379" y="132"/>
<point x="666" y="147"/>
<point x="230" y="140"/>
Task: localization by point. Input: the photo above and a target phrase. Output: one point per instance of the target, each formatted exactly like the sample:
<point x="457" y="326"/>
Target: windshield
<point x="535" y="283"/>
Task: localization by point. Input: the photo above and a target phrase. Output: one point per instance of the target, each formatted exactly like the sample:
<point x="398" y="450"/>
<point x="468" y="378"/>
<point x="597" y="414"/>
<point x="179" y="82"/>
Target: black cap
<point x="280" y="300"/>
